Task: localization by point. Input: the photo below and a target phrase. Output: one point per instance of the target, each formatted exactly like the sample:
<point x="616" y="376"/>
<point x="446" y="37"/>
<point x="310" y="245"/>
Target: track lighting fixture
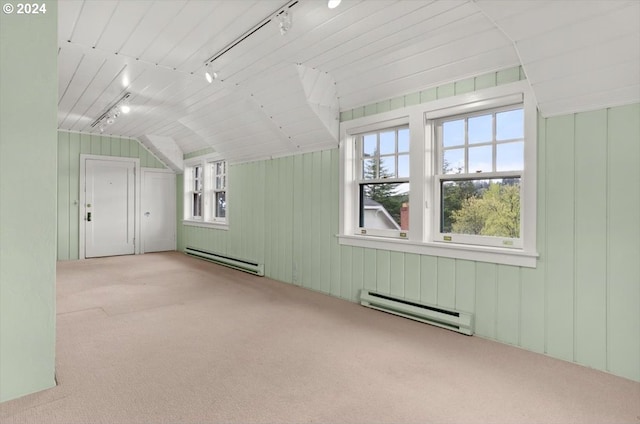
<point x="332" y="4"/>
<point x="113" y="113"/>
<point x="210" y="74"/>
<point x="284" y="22"/>
<point x="281" y="16"/>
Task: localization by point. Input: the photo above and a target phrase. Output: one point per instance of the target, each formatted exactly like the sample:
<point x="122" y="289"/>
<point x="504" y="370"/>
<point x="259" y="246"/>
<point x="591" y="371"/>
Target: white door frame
<point x="165" y="171"/>
<point x="82" y="213"/>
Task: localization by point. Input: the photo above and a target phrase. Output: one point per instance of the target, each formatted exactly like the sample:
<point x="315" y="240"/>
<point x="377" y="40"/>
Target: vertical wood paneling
<point x="383" y="271"/>
<point x="269" y="256"/>
<point x="533" y="309"/>
<point x="285" y="212"/>
<point x="357" y="274"/>
<point x="325" y="235"/>
<point x="63" y="195"/>
<point x="446" y="282"/>
<point x="335" y="217"/>
<point x="412" y="276"/>
<point x="465" y="285"/>
<point x="345" y="272"/>
<point x="370" y="269"/>
<point x="560" y="237"/>
<point x="591" y="238"/>
<point x="396" y="274"/>
<point x="298" y="221"/>
<point x="623" y="273"/>
<point x="316" y="231"/>
<point x="508" y="304"/>
<point x="486" y="294"/>
<point x="74" y="193"/>
<point x="429" y="279"/>
<point x="307" y="259"/>
<point x="96" y="144"/>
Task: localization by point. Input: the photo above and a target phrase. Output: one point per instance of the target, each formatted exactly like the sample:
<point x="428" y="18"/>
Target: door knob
<point x="147" y="213"/>
<point x="88" y="216"/>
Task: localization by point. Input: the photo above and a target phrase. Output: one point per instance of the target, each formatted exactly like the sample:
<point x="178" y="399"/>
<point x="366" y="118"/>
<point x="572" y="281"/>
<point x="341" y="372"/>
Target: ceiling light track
<point x="282" y="10"/>
<point x="113" y="112"/>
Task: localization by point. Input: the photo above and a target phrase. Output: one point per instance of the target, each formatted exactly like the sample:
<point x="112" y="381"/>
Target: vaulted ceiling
<point x="278" y="94"/>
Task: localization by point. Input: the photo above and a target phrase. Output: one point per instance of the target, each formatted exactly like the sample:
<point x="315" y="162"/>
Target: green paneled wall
<point x="28" y="109"/>
<point x="70" y="146"/>
<point x="582" y="301"/>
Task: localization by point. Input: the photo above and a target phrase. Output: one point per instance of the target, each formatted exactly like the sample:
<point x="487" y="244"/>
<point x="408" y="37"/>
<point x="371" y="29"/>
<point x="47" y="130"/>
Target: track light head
<point x="210" y="74"/>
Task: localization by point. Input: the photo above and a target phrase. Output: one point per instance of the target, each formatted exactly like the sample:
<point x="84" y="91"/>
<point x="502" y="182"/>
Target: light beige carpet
<point x="165" y="338"/>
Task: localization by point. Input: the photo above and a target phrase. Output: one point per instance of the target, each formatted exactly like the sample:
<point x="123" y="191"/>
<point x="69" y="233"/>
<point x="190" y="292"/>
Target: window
<point x="384" y="182"/>
<point x="205" y="183"/>
<point x="455" y="177"/>
<point x="219" y="172"/>
<point x="195" y="192"/>
<point x="479" y="174"/>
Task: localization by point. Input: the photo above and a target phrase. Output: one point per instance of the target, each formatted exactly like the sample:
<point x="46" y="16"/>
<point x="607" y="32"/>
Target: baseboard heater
<point x="462" y="322"/>
<point x="235" y="263"/>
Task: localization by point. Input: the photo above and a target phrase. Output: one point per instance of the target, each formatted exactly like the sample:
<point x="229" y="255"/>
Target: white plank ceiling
<point x="577" y="55"/>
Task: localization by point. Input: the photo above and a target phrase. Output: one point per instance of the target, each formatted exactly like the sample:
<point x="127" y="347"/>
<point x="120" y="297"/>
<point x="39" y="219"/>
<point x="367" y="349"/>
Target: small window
<point x="479" y="183"/>
<point x="383" y="161"/>
<point x="219" y="200"/>
<point x="196" y="194"/>
<point x="205" y="191"/>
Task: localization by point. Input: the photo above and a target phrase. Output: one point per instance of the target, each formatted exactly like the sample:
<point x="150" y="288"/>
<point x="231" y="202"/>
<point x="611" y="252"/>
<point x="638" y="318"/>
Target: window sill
<point x="496" y="255"/>
<point x="216" y="225"/>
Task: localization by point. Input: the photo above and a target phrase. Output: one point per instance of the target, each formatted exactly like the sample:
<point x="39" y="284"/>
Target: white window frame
<point x="487" y="175"/>
<point x="209" y="218"/>
<point x="423" y="237"/>
<point x="215" y="189"/>
<point x="399" y="233"/>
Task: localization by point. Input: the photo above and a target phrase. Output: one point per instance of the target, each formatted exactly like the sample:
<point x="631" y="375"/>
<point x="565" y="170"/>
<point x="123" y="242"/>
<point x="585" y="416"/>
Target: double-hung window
<point x="468" y="164"/>
<point x="206" y="192"/>
<point x="219" y="200"/>
<point x="479" y="174"/>
<point x="383" y="182"/>
<point x="195" y="194"/>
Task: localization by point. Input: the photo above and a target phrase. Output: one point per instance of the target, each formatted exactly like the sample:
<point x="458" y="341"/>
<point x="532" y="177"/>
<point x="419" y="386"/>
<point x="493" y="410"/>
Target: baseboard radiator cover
<point x="451" y="319"/>
<point x="231" y="262"/>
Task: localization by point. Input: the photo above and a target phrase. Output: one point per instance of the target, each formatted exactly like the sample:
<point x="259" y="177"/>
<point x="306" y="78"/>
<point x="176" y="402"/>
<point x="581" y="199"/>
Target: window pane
<point x="197" y="205"/>
<point x="387" y="142"/>
<point x="370" y="169"/>
<point x="221" y="204"/>
<point x="481" y="207"/>
<point x="384" y="206"/>
<point x="369" y="145"/>
<point x="510" y="156"/>
<point x="480" y="159"/>
<point x="510" y="125"/>
<point x="453" y="133"/>
<point x="218" y="183"/>
<point x="480" y="129"/>
<point x="388" y="167"/>
<point x="403" y="140"/>
<point x="403" y="166"/>
<point x="453" y="161"/>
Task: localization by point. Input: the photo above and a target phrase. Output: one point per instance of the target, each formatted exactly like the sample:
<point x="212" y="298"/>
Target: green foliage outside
<point x="496" y="212"/>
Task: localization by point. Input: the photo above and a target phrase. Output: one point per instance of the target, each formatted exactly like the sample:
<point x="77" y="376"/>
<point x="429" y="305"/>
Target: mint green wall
<point x="581" y="303"/>
<point x="28" y="109"/>
<point x="70" y="146"/>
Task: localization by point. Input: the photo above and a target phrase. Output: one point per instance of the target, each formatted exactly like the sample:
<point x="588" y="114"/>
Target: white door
<point x="158" y="221"/>
<point x="109" y="212"/>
